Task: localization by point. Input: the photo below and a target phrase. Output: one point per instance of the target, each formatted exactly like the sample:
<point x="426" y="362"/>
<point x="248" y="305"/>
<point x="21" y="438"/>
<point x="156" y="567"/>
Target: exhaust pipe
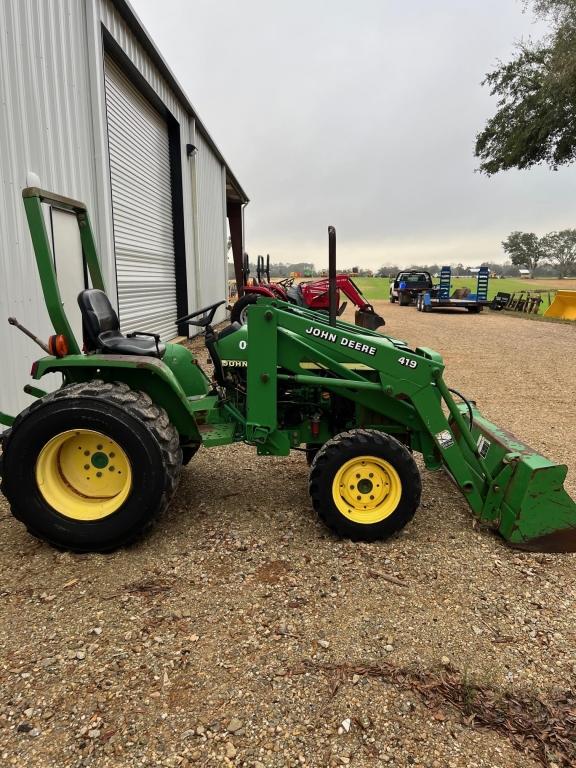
<point x="332" y="288"/>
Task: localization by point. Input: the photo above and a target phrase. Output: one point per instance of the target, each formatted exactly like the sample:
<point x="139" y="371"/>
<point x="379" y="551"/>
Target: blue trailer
<point x="461" y="298"/>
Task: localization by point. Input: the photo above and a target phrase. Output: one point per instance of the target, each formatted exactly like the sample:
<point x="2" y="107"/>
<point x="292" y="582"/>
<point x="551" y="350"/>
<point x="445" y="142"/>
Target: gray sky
<point x="362" y="115"/>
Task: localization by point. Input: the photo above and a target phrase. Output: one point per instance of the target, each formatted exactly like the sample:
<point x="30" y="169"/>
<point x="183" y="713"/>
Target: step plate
<point x="217" y="434"/>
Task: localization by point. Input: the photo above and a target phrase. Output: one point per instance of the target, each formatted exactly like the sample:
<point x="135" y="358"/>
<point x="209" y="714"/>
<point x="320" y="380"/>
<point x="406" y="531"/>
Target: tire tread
<point x="137" y="404"/>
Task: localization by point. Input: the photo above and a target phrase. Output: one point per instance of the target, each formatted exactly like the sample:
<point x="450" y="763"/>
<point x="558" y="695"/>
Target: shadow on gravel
<point x="545" y="729"/>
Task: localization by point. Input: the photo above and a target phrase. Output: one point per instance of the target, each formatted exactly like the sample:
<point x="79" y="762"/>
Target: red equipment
<point x="313" y="295"/>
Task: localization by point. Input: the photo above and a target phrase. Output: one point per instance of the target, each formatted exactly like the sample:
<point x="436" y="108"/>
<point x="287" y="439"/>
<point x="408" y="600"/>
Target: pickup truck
<point x="408" y="284"/>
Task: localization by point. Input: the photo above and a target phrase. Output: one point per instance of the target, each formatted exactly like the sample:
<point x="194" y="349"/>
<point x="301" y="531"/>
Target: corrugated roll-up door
<point x="142" y="208"/>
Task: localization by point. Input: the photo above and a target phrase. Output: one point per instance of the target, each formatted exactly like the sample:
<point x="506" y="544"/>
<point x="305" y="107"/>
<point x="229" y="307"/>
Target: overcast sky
<point x="361" y="114"/>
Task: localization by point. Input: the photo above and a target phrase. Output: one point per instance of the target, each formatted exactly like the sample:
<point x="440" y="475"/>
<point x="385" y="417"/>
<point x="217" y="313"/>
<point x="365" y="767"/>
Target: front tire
<point x="91" y="466"/>
<point x="365" y="485"/>
<point x="240" y="308"/>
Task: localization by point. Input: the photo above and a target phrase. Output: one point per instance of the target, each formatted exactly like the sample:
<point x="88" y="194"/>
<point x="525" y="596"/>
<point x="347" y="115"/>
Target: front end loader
<point x="90" y="466"/>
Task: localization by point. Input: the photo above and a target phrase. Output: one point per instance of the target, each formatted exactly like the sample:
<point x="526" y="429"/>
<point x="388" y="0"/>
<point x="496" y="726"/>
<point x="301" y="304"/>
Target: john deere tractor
<point x="90" y="466"/>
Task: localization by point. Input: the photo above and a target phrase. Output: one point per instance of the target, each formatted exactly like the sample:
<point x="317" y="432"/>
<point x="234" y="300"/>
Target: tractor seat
<point x="294" y="293"/>
<point x="101" y="329"/>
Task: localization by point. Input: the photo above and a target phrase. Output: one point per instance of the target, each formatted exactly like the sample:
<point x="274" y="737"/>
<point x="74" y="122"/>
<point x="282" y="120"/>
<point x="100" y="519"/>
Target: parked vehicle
<point x="407" y="286"/>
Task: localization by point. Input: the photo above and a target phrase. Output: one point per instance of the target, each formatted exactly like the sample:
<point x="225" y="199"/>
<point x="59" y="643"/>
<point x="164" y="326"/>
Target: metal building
<point x="90" y="107"/>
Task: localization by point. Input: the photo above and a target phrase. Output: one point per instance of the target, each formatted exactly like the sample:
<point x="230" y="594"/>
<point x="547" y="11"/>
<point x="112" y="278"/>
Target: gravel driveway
<point x="241" y="632"/>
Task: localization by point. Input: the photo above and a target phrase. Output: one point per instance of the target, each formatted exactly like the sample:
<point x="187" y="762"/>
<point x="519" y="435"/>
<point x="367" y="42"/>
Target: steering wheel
<point x="287" y="282"/>
<point x="209" y="313"/>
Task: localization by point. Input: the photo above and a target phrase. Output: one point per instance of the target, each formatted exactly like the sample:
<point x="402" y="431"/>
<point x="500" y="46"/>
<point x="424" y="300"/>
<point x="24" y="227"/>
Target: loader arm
<point x="351" y="291"/>
<point x="316" y="292"/>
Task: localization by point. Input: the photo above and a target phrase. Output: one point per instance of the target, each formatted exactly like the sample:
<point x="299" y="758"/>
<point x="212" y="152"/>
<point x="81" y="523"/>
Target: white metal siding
<point x="45" y="127"/>
<point x="211" y="224"/>
<point x="69" y="265"/>
<point x="142" y="208"/>
<point x="53" y="122"/>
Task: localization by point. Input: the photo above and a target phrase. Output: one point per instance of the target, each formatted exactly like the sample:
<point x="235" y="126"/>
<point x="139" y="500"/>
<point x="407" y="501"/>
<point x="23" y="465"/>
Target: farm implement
<point x="562" y="303"/>
<point x="91" y="465"/>
<point x="314" y="294"/>
<point x="528" y="302"/>
<point x="563" y="307"/>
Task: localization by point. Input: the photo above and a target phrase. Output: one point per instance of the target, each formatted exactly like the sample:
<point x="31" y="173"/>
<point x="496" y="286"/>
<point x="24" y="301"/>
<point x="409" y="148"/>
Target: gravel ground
<point x="240" y="631"/>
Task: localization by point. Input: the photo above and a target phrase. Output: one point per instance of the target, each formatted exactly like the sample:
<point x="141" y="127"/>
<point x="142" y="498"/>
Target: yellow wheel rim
<point x="366" y="489"/>
<point x="83" y="474"/>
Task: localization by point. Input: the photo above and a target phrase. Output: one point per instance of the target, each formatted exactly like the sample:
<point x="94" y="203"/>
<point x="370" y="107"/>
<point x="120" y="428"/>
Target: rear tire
<point x="311" y="451"/>
<point x="91" y="466"/>
<point x="403" y="299"/>
<point x="364" y="485"/>
<point x="188" y="453"/>
<point x="392" y="299"/>
<point x="238" y="313"/>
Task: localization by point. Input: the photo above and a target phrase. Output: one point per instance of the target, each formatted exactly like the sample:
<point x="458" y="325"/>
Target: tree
<point x="536" y="117"/>
<point x="525" y="249"/>
<point x="388" y="270"/>
<point x="560" y="249"/>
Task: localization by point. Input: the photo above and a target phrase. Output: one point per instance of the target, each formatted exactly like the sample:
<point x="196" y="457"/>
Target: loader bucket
<point x="524" y="499"/>
<point x="367" y="318"/>
<point x="563" y="306"/>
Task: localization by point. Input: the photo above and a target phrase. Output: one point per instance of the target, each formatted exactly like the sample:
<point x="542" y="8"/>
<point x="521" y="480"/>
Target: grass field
<point x="375" y="288"/>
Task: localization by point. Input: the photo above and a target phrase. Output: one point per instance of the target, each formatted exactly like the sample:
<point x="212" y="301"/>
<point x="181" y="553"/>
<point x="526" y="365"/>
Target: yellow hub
<point x="366" y="489"/>
<point x="83" y="474"/>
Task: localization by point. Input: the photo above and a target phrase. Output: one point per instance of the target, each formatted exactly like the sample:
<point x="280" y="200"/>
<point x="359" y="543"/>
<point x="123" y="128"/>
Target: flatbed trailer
<point x="439" y="296"/>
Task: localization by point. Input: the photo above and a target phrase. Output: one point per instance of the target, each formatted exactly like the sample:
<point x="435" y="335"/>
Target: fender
<point x="146" y="374"/>
<point x="261" y="290"/>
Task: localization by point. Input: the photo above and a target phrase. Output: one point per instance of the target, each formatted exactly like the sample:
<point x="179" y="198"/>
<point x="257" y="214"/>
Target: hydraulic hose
<point x="467" y="403"/>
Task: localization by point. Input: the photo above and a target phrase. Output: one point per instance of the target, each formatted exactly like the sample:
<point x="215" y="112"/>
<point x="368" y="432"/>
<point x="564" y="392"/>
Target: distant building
<point x="524" y="273"/>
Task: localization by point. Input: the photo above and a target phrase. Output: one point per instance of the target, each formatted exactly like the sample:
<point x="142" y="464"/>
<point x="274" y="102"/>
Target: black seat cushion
<point x="114" y="343"/>
<point x="98" y="315"/>
<point x="294" y="293"/>
<point x="102" y="329"/>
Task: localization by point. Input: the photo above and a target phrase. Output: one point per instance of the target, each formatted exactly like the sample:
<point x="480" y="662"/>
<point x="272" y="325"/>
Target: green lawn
<point x="375" y="288"/>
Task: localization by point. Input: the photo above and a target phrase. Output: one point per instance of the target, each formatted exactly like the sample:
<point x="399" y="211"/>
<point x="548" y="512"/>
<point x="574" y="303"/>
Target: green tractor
<point x="90" y="466"/>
